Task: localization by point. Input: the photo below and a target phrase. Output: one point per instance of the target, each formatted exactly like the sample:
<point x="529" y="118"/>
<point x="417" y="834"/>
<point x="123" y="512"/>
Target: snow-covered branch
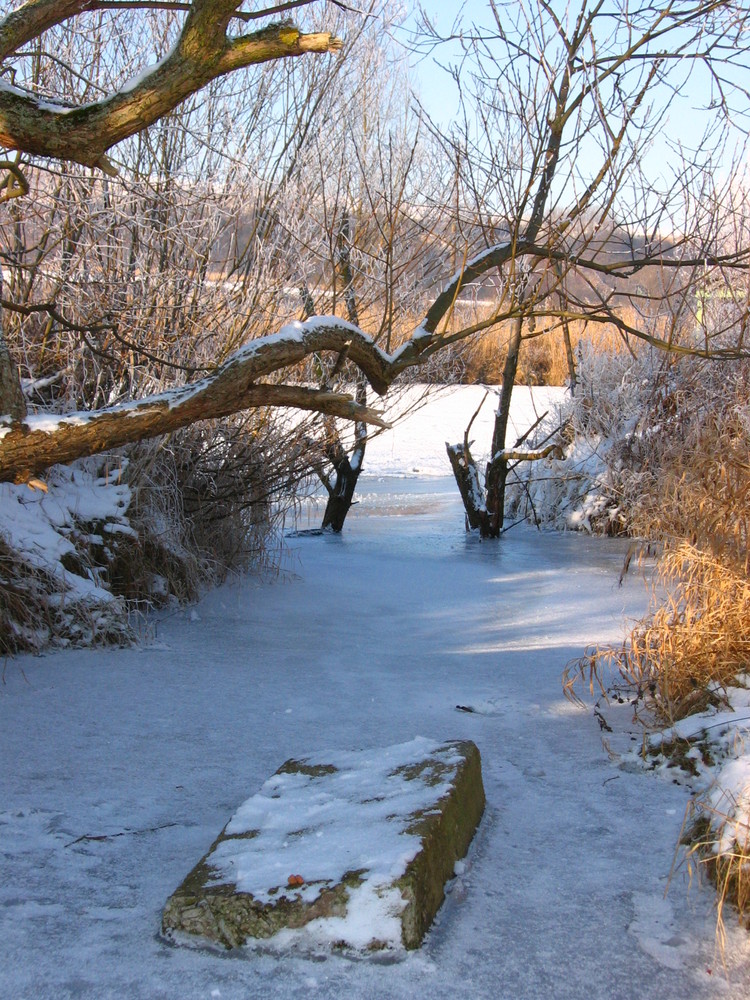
<point x="203" y="52"/>
<point x="30" y="445"/>
<point x="526" y="454"/>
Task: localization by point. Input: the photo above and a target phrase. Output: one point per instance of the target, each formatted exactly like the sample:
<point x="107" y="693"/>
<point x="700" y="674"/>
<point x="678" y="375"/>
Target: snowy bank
<point x="58" y="543"/>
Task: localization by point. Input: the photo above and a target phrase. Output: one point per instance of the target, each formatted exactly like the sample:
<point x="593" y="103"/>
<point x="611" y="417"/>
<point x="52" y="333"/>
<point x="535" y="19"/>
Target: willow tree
<point x="52" y="56"/>
<point x="85" y="124"/>
<point x="56" y="106"/>
<point x="57" y="102"/>
<point x="378" y="254"/>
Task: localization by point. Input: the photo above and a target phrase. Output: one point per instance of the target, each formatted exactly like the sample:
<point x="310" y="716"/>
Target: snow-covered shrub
<point x="116" y="534"/>
<point x="55" y="550"/>
<point x="671" y="438"/>
<point x="718" y="840"/>
<point x="682" y="479"/>
<point x="210" y="500"/>
<point x="646" y="438"/>
<point x="600" y="423"/>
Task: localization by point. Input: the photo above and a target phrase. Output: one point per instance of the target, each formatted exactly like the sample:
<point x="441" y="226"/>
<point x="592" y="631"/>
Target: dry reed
<point x="543" y="359"/>
<point x="696" y="638"/>
<point x="727" y="866"/>
<point x="686" y="485"/>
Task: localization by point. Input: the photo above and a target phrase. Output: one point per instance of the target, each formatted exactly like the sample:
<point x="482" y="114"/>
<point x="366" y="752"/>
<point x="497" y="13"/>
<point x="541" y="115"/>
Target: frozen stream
<point x="121" y="766"/>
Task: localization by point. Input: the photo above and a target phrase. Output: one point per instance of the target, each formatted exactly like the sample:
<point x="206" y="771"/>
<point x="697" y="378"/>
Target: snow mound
<point x="57" y="541"/>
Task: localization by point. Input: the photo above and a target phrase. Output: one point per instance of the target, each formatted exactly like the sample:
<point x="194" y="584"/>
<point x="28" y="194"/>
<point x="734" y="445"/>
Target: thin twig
<point x="123" y="833"/>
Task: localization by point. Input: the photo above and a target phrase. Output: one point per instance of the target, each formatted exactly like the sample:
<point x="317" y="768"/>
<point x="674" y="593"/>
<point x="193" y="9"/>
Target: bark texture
<point x="12" y="401"/>
<point x="341" y="495"/>
<point x="466" y="474"/>
<point x="497" y="469"/>
<point x="204" y="51"/>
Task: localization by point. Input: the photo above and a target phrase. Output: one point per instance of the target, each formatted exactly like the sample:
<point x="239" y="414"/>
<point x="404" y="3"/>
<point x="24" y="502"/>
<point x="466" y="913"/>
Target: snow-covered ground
<point x="416" y="445"/>
<point x="121" y="766"/>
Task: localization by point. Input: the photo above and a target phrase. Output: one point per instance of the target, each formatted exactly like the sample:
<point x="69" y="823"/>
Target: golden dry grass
<point x="690" y="492"/>
<point x="697" y="637"/>
<point x="728" y="869"/>
<point x="543" y="359"/>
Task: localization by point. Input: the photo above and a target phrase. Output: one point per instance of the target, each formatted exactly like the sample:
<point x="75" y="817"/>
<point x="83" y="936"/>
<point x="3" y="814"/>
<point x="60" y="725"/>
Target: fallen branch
<point x="123" y="833"/>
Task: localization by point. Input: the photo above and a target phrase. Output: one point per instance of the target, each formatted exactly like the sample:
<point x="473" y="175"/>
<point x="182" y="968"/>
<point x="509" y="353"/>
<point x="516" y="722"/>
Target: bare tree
<point x="368" y="182"/>
<point x="554" y="177"/>
<point x="538" y="218"/>
<point x="128" y="275"/>
<point x="121" y="247"/>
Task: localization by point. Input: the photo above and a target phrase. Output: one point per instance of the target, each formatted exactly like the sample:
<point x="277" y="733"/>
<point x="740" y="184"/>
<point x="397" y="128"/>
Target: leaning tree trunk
<point x="466" y="474"/>
<point x="346" y="469"/>
<point x="485" y="507"/>
<point x="341" y="490"/>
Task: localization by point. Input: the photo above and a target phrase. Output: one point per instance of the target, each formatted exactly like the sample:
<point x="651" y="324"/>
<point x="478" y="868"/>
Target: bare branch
<point x="16" y="185"/>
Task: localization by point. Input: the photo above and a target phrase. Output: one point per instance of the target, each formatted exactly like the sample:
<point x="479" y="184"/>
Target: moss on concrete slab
<point x="209" y="906"/>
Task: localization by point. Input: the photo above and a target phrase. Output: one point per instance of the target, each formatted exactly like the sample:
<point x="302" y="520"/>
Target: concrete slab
<point x="347" y="849"/>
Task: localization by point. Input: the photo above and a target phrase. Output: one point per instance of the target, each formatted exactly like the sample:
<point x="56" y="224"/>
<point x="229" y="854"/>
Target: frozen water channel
<point x="121" y="766"/>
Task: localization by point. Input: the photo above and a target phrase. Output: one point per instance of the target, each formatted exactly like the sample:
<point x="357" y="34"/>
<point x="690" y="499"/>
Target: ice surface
<point x="119" y="766"/>
<point x="416" y="446"/>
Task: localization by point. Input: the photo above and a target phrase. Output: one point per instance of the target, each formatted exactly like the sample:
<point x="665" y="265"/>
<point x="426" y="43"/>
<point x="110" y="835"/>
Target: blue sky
<point x="685" y="124"/>
<point x="437" y="90"/>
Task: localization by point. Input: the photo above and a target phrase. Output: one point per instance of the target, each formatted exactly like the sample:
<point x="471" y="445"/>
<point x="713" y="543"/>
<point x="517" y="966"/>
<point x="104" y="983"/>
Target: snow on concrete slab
<point x="347" y="849"/>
